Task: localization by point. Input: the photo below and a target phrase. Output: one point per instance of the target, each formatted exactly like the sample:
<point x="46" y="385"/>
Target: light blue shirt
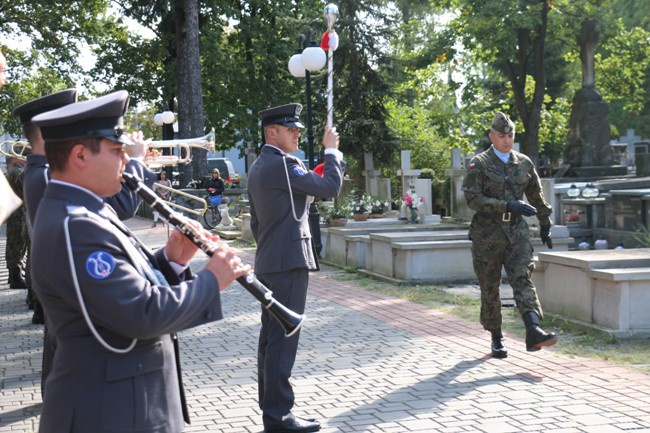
<point x="505" y="157"/>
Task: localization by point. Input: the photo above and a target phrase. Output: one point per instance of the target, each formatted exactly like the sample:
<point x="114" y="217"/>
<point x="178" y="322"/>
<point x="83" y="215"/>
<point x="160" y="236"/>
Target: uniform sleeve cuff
<point x="337" y="153"/>
<point x="179" y="269"/>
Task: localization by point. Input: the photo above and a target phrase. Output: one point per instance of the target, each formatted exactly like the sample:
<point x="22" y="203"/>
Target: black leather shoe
<point x="499" y="348"/>
<point x="295" y="424"/>
<point x="536" y="338"/>
<point x="17" y="283"/>
<point x="498" y="344"/>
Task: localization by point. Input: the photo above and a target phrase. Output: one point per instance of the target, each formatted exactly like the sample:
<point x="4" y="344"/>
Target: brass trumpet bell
<point x="180" y="150"/>
<point x="14" y="149"/>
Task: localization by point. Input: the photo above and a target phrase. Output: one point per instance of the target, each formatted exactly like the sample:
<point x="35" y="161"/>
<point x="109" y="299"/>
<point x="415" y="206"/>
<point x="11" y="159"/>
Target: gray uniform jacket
<point x="282" y="242"/>
<point x="77" y="244"/>
<point x="37" y="176"/>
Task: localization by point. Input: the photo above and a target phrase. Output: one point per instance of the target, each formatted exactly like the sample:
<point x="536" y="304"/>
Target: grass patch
<point x="574" y="339"/>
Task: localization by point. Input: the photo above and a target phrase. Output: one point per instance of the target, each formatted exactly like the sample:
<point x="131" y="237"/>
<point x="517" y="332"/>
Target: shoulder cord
<point x="293" y="208"/>
<point x="84" y="311"/>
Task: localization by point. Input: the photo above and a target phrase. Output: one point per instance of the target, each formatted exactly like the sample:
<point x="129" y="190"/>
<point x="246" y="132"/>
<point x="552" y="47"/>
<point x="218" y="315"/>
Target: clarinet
<point x="289" y="320"/>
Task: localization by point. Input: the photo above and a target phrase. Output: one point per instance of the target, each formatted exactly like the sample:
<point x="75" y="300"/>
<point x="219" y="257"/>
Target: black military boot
<point x="498" y="344"/>
<point x="16" y="279"/>
<point x="38" y="318"/>
<point x="29" y="299"/>
<point x="536" y="338"/>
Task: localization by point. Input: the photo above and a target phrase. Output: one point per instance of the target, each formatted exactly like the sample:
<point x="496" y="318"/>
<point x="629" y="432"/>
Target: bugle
<point x="179" y="150"/>
<point x="15" y="149"/>
<point x="289" y="320"/>
<point x="200" y="211"/>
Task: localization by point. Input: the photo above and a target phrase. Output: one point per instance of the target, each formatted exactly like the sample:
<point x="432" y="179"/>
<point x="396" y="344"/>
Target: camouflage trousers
<point x="16" y="245"/>
<point x="508" y="247"/>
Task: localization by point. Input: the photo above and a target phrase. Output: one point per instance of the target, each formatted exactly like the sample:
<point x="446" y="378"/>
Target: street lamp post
<point x="309" y="58"/>
<point x="166" y="121"/>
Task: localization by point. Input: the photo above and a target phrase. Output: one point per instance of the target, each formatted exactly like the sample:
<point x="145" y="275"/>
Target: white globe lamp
<point x="296" y="67"/>
<point x="167" y="117"/>
<point x="313" y="58"/>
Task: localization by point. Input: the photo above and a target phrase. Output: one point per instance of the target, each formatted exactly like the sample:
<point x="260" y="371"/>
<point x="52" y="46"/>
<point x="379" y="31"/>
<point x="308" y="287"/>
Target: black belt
<point x="504" y="217"/>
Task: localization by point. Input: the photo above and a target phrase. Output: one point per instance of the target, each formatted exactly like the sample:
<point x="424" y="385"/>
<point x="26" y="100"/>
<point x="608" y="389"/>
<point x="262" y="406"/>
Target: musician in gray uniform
<point x="111" y="304"/>
<point x="37" y="175"/>
<point x="494" y="186"/>
<point x="280" y="189"/>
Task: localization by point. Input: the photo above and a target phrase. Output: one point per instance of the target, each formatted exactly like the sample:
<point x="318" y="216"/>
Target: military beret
<point x="102" y="117"/>
<point x="501" y="123"/>
<point x="45" y="103"/>
<point x="287" y="115"/>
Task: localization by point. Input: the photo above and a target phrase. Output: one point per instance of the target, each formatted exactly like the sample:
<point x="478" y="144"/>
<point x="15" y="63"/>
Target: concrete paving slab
<point x="367" y="363"/>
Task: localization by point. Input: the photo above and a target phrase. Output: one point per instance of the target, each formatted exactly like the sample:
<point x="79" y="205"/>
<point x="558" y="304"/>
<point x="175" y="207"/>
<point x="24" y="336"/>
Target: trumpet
<point x="15" y="149"/>
<point x="182" y="147"/>
<point x="200" y="211"/>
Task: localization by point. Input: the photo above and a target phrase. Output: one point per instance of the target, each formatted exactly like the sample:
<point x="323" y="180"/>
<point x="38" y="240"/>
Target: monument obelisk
<point x="589" y="152"/>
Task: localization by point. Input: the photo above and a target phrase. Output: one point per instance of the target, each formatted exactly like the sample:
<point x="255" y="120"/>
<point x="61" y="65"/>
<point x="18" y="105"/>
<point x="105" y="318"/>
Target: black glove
<point x="545" y="235"/>
<point x="521" y="208"/>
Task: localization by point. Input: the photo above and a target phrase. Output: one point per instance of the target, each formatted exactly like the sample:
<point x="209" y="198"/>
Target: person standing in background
<point x="163" y="193"/>
<point x="16" y="252"/>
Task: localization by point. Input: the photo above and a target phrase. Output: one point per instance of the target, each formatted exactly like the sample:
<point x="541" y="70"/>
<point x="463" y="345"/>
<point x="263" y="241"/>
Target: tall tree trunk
<point x="530" y="114"/>
<point x="190" y="98"/>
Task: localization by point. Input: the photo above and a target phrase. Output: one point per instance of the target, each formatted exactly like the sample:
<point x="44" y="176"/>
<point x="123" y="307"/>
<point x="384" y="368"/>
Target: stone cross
<point x="371" y="175"/>
<point x="407" y="173"/>
<point x="588" y="41"/>
<point x="456" y="159"/>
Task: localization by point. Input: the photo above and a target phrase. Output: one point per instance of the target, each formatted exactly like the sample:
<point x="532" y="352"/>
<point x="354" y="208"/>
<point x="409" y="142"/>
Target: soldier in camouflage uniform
<point x="16" y="245"/>
<point x="494" y="186"/>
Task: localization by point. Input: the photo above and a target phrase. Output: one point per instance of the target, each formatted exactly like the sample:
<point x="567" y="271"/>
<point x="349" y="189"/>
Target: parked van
<point x="225" y="167"/>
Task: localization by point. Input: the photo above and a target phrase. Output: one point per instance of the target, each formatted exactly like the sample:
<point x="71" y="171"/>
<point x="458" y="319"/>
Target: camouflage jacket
<point x="15" y="178"/>
<point x="490" y="183"/>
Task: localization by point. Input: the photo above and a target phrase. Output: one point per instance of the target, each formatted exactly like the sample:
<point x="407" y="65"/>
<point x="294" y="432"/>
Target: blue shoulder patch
<point x="100" y="265"/>
<point x="298" y="171"/>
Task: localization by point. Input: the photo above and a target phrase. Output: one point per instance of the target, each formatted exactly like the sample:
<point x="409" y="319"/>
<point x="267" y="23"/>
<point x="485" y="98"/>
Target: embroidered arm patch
<point x="100" y="265"/>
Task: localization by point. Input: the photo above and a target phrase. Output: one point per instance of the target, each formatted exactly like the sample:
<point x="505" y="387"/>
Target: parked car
<point x="226" y="169"/>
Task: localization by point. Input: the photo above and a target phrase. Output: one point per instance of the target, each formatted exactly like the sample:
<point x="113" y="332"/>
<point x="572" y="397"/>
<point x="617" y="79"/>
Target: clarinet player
<point x="112" y="305"/>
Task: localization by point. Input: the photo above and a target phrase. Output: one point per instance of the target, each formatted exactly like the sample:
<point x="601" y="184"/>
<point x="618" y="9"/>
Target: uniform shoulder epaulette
<point x="477" y="159"/>
<point x="294" y="157"/>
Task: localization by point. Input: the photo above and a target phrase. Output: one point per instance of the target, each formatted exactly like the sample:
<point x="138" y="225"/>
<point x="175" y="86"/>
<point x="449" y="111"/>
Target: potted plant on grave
<point x="378" y="208"/>
<point x="337" y="215"/>
<point x="360" y="206"/>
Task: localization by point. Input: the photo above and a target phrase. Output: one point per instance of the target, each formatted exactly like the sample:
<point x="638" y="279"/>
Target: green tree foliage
<point x="34" y="82"/>
<point x="623" y="76"/>
<point x="360" y="89"/>
<point x="510" y="36"/>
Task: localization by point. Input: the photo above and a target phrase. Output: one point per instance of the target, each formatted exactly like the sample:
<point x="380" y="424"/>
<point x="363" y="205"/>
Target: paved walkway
<point x="367" y="363"/>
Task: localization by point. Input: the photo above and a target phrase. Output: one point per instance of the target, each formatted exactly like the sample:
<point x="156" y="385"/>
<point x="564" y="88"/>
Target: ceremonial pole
<point x="329" y="43"/>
